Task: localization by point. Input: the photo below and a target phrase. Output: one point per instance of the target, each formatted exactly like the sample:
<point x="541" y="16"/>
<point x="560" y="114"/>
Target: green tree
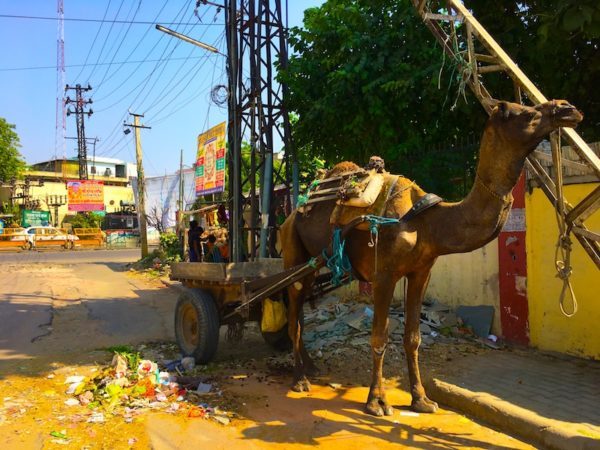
<point x="11" y="161"/>
<point x="367" y="77"/>
<point x="556" y="43"/>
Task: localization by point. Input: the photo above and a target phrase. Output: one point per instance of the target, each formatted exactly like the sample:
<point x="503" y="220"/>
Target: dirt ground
<point x="250" y="379"/>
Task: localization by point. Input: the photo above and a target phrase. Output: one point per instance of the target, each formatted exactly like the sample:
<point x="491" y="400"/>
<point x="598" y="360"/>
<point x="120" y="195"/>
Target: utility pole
<point x="80" y="103"/>
<point x="181" y="182"/>
<point x="141" y="184"/>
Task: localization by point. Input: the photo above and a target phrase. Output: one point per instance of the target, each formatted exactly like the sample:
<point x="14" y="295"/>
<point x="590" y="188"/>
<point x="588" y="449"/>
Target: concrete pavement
<point x="548" y="400"/>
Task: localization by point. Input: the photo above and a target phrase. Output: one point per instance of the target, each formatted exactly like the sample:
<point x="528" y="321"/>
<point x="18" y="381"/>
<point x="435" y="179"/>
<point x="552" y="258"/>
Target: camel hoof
<point x="301" y="385"/>
<point x="377" y="407"/>
<point x="424" y="405"/>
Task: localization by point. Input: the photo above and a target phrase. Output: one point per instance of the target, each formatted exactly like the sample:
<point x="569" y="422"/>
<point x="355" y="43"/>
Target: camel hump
<point x="342" y="168"/>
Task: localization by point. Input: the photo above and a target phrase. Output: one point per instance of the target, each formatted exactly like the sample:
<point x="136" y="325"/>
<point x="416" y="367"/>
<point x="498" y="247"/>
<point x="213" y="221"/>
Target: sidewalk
<point x="550" y="401"/>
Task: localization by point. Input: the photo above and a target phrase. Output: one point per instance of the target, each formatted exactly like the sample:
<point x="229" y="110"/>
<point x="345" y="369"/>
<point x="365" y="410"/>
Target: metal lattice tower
<point x="256" y="43"/>
<point x="79" y="112"/>
<point x="61" y="120"/>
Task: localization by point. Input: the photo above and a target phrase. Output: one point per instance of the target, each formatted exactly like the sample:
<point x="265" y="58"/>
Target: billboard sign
<point x="210" y="161"/>
<point x="31" y="218"/>
<point x="85" y="195"/>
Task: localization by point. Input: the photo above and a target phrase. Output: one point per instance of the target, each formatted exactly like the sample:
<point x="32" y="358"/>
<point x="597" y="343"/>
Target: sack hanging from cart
<point x="274" y="316"/>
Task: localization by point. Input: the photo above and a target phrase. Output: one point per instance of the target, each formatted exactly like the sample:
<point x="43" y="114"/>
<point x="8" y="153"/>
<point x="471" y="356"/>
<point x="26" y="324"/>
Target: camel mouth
<point x="567" y="116"/>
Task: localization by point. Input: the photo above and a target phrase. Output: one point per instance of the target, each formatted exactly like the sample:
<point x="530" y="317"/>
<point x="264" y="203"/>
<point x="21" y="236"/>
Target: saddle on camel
<point x="412" y="228"/>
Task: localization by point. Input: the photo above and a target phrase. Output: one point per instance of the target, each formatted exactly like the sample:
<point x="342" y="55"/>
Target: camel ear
<point x="498" y="105"/>
<point x="503" y="109"/>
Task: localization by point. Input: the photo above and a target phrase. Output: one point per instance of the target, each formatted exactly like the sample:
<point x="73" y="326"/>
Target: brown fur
<point x="409" y="249"/>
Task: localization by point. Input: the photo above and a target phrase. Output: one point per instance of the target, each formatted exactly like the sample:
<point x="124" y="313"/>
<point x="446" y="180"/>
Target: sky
<point x="129" y="65"/>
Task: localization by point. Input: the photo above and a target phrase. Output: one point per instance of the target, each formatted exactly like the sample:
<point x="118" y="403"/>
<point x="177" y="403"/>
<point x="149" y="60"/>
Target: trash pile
<point x="131" y="385"/>
<point x="334" y="322"/>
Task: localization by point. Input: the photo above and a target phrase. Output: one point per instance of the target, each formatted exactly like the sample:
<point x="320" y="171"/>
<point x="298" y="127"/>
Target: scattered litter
<point x="493" y="338"/>
<point x="334" y="385"/>
<point x="223" y="420"/>
<point x="59" y="434"/>
<point x="188" y="363"/>
<point x="74" y="379"/>
<point x="131" y="441"/>
<point x="96" y="417"/>
<point x="130" y="384"/>
<point x="203" y="388"/>
<point x="50" y="376"/>
<point x="409" y="413"/>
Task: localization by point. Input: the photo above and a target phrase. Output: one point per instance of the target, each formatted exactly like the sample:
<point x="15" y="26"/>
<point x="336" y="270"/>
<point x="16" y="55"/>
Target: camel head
<point x="524" y="127"/>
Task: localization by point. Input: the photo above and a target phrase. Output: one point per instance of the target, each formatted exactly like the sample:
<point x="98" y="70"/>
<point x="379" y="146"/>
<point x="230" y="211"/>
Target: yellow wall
<point x="468" y="279"/>
<point x="549" y="328"/>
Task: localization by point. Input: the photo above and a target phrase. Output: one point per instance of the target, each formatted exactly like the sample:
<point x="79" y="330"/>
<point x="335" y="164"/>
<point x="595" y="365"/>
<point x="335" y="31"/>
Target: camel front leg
<point x="417" y="284"/>
<point x="383" y="290"/>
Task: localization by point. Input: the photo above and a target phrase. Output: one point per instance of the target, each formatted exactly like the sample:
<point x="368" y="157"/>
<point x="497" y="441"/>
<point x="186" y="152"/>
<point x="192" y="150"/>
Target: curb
<point x="508" y="417"/>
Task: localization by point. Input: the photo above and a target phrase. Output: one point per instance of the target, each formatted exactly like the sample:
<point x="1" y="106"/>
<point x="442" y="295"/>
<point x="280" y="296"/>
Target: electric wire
<point x="94" y="41"/>
<point x="105" y="40"/>
<point x="115" y="131"/>
<point x="120" y="44"/>
<point x="118" y="125"/>
<point x="114" y="21"/>
<point x="140" y="40"/>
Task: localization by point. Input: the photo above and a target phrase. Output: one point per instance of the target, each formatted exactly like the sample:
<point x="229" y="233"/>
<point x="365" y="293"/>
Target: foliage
<point x="86" y="220"/>
<point x="365" y="80"/>
<point x="366" y="77"/>
<point x="556" y="43"/>
<point x="11" y="161"/>
<point x="170" y="245"/>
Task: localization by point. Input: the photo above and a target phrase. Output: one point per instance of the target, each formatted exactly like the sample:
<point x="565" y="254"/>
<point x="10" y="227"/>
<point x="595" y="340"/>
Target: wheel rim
<point x="190" y="326"/>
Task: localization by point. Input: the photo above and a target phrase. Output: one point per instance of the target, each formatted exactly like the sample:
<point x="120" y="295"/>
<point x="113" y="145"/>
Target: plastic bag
<point x="274" y="316"/>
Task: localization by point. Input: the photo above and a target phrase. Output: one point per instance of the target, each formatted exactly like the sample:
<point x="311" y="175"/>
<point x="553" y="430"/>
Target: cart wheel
<point x="279" y="340"/>
<point x="197" y="325"/>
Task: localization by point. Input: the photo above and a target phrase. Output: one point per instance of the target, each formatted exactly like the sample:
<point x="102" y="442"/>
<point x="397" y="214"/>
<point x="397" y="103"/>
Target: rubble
<point x="333" y="323"/>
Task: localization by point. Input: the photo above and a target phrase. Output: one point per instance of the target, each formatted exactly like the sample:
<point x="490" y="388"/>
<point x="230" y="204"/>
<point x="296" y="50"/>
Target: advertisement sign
<point x="210" y="161"/>
<point x="34" y="218"/>
<point x="85" y="195"/>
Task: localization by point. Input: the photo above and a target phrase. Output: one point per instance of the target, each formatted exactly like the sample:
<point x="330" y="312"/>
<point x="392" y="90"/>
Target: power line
<point x="8" y="69"/>
<point x="94" y="41"/>
<point x="106" y="39"/>
<point x="114" y="21"/>
<point x="120" y="44"/>
<point x="121" y="64"/>
<point x="114" y="132"/>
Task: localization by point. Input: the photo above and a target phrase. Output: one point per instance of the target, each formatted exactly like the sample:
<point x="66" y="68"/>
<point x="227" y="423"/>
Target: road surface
<point x="58" y="310"/>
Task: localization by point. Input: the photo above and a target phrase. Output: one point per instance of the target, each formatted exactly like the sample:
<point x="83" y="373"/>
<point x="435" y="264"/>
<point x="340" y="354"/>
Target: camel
<point x="410" y="248"/>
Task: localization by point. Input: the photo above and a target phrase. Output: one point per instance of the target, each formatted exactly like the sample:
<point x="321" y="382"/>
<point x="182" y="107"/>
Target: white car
<point x="45" y="236"/>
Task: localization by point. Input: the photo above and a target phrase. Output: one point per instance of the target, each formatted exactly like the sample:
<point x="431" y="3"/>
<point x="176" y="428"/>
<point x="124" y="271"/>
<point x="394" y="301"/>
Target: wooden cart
<point x="218" y="294"/>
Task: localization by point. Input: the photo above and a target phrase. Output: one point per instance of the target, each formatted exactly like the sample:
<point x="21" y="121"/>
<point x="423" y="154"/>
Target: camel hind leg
<point x="295" y="254"/>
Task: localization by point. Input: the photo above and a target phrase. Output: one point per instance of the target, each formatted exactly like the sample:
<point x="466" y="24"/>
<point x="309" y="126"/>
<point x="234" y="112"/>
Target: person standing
<point x="194" y="241"/>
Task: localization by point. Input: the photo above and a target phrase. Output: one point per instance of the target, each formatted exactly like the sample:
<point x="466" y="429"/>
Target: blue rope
<point x="376" y="221"/>
<point x="338" y="263"/>
<point x="303" y="199"/>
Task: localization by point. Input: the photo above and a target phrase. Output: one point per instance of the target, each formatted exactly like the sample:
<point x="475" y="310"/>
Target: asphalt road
<point x="49" y="300"/>
<point x="59" y="256"/>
